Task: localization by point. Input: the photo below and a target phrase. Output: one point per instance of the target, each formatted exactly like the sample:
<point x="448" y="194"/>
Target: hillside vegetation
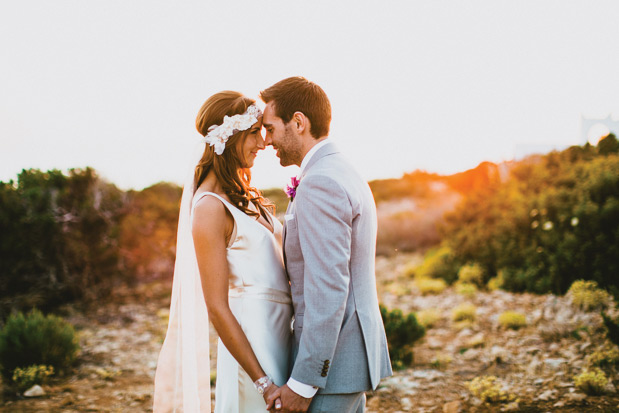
<point x="533" y="225"/>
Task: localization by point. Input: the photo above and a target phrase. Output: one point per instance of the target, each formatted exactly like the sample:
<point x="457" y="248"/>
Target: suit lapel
<point x="328" y="149"/>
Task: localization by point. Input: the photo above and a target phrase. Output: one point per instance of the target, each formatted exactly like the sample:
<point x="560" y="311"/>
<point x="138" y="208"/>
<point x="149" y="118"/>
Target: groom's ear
<point x="301" y="122"/>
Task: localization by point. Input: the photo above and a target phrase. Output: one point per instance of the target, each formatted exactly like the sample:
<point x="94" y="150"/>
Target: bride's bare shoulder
<point x="209" y="212"/>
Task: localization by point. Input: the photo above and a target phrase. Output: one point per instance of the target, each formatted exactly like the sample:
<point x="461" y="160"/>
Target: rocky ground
<point x="121" y="340"/>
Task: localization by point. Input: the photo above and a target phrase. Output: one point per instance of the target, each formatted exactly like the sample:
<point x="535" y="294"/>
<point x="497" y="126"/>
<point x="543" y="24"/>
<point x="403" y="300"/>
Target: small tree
<point x="608" y="145"/>
<point x="402" y="332"/>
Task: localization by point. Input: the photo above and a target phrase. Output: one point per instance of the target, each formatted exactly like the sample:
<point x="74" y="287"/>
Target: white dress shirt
<point x="302" y="389"/>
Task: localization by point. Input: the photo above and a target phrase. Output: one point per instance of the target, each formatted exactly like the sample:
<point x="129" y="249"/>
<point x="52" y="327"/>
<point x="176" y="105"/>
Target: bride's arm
<point x="212" y="227"/>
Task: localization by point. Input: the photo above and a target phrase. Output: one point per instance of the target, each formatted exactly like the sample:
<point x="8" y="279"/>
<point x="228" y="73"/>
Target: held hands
<point x="291" y="402"/>
<point x="267" y="394"/>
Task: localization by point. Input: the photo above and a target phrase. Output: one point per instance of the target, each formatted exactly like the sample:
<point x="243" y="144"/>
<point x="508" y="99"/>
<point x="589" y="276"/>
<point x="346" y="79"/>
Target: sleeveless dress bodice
<point x="259" y="298"/>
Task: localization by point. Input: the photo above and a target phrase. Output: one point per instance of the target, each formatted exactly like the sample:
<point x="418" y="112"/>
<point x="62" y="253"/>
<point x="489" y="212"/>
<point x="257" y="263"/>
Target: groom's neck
<point x="308" y="144"/>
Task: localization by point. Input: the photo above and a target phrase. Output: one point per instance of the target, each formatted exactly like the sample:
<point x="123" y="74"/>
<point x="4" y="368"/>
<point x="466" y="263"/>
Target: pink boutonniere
<point x="291" y="188"/>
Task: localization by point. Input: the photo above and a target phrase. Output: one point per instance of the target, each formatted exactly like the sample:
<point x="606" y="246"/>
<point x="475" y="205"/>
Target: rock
<point x="452" y="407"/>
<point x="407" y="404"/>
<point x="427" y="374"/>
<point x="465" y="332"/>
<point x="471" y="354"/>
<point x="67" y="401"/>
<point x="476" y="402"/>
<point x="511" y="407"/>
<point x="35" y="391"/>
<point x="532" y="350"/>
<point x="554" y="347"/>
<point x="537" y="316"/>
<point x="538" y="382"/>
<point x="559" y="404"/>
<point x="534" y="368"/>
<point x="576" y="397"/>
<point x="555" y="364"/>
<point x="499" y="354"/>
<point x="547" y="395"/>
<point x="478" y="340"/>
<point x="434" y="343"/>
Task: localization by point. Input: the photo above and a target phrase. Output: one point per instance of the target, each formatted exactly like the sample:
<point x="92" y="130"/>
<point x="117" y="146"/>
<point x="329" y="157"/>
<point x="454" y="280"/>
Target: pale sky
<point x="431" y="85"/>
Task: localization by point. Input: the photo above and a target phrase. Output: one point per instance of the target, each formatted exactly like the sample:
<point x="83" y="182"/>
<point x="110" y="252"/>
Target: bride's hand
<point x="269" y="390"/>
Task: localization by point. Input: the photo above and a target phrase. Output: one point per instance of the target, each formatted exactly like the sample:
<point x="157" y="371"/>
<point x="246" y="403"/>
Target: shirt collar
<point x="311" y="153"/>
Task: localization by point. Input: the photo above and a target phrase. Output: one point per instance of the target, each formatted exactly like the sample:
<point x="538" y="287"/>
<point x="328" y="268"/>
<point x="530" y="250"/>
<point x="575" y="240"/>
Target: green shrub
<point x="592" y="382"/>
<point x="36" y="339"/>
<point x="464" y="312"/>
<point x="513" y="320"/>
<point x="587" y="296"/>
<point x="488" y="390"/>
<point x="471" y="274"/>
<point x="402" y="332"/>
<point x="31" y="375"/>
<point x="438" y="263"/>
<point x="549" y="221"/>
<point x="427" y="286"/>
<point x="612" y="328"/>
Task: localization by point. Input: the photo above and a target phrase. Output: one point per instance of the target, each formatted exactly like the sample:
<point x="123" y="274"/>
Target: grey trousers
<point x="338" y="403"/>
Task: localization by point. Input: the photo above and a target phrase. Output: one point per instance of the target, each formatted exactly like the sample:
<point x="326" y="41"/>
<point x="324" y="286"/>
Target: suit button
<point x="324" y="374"/>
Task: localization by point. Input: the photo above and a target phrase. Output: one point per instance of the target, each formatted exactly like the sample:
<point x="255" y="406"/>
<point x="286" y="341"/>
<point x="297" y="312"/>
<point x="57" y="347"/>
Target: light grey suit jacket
<point x="329" y="249"/>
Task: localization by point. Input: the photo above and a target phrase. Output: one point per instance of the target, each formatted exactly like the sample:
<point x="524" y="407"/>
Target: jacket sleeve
<point x="324" y="219"/>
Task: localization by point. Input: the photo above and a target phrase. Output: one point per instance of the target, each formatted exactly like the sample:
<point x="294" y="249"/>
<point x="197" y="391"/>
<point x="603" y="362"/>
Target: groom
<point x="340" y="349"/>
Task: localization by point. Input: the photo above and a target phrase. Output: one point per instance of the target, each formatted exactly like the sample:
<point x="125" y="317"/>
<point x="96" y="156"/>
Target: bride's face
<point x="253" y="143"/>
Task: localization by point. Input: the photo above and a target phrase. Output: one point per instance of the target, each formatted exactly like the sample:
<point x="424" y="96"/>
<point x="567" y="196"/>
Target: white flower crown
<point x="218" y="135"/>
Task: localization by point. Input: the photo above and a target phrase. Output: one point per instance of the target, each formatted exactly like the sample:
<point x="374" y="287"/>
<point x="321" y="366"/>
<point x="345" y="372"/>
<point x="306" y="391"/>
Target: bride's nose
<point x="260" y="142"/>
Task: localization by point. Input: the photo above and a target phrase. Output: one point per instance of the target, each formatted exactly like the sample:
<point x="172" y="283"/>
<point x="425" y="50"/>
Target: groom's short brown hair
<point x="297" y="94"/>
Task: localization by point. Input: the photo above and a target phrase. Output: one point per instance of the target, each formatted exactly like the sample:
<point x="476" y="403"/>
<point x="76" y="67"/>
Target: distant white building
<point x="603" y="125"/>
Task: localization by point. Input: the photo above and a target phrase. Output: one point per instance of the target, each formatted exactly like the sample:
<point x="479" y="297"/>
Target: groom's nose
<point x="267" y="139"/>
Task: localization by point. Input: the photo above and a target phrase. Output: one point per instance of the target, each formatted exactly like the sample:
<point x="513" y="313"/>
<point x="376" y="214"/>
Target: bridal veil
<point x="182" y="379"/>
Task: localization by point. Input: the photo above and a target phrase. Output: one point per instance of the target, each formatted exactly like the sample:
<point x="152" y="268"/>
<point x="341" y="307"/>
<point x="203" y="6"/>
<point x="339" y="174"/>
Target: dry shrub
<point x="513" y="320"/>
<point x="592" y="382"/>
<point x="429" y="286"/>
<point x="464" y="312"/>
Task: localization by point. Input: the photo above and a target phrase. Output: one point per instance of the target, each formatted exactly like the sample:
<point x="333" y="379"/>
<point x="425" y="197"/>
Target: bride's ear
<point x="301" y="122"/>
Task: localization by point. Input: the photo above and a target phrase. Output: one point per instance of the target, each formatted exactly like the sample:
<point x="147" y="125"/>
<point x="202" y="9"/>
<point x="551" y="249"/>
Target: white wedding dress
<point x="259" y="297"/>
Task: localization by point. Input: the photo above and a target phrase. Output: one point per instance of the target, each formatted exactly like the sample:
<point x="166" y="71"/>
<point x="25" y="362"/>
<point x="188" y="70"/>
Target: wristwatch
<point x="262" y="383"/>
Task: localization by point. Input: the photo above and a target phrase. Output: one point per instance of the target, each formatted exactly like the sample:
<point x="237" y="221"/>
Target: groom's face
<point x="282" y="137"/>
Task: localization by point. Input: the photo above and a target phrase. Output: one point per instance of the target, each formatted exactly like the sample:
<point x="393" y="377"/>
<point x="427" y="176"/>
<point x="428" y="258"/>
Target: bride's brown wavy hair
<point x="229" y="167"/>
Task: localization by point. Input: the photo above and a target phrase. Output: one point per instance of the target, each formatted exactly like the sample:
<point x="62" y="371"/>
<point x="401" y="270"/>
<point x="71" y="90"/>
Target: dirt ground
<point x="121" y="339"/>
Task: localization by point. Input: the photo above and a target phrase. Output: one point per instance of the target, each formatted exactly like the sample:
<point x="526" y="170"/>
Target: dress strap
<point x="227" y="204"/>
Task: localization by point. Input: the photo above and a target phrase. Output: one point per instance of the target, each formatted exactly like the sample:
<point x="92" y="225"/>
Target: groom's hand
<point x="267" y="396"/>
<point x="291" y="402"/>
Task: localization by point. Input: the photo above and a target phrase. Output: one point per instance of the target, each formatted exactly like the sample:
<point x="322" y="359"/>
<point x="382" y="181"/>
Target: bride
<point x="229" y="268"/>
